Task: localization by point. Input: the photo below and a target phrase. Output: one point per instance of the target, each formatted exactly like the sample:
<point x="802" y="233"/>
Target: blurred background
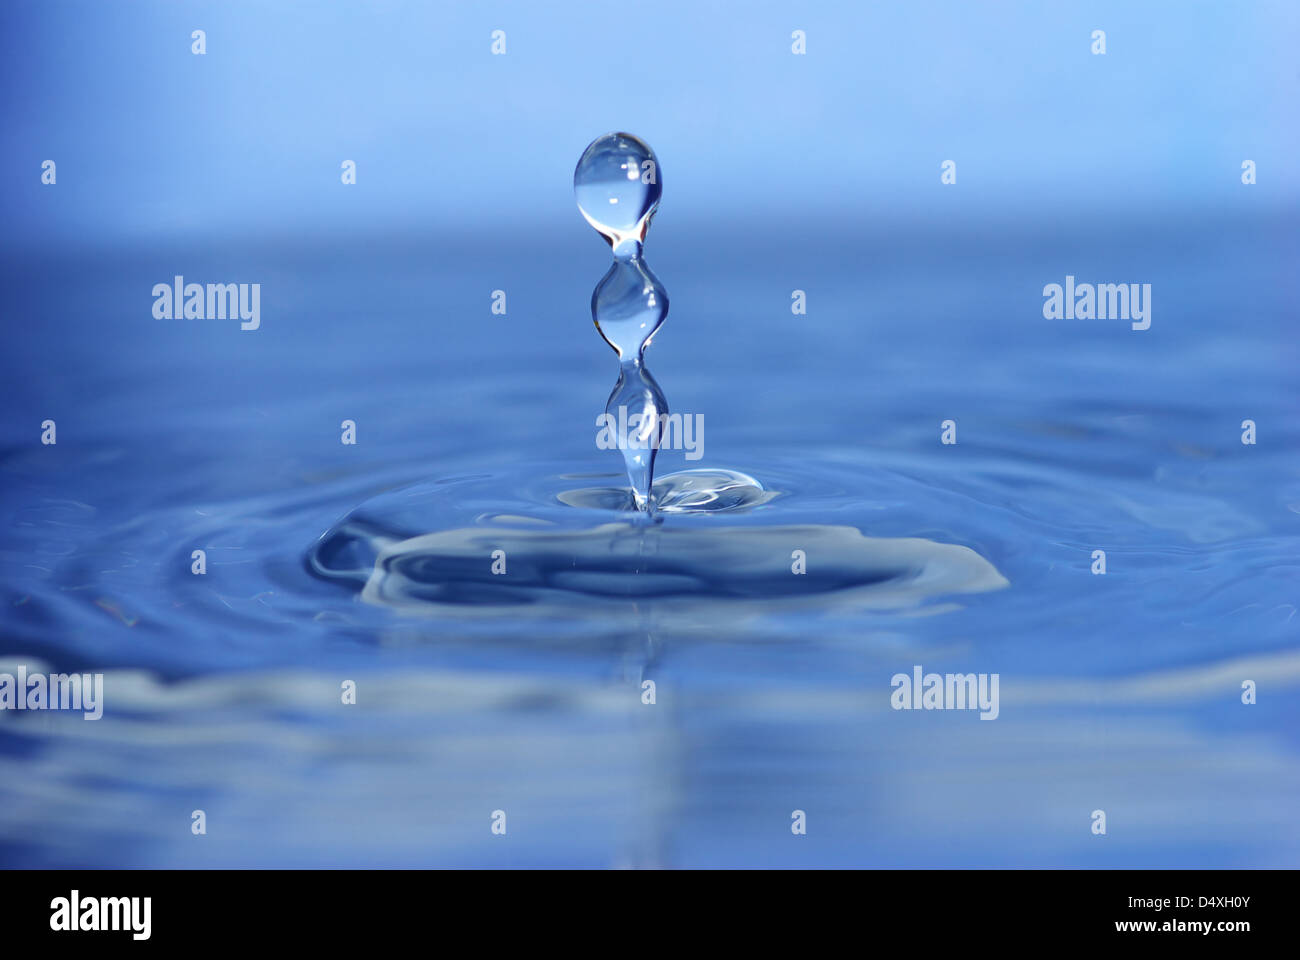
<point x="818" y="172"/>
<point x="154" y="142"/>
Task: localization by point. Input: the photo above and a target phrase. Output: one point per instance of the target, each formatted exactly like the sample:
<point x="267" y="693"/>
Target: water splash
<point x="687" y="548"/>
<point x="426" y="551"/>
<point x="617" y="186"/>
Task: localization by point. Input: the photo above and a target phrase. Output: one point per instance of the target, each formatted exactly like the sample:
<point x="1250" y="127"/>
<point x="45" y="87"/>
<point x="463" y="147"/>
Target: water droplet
<point x="628" y="306"/>
<point x="635" y="416"/>
<point x="617" y="187"/>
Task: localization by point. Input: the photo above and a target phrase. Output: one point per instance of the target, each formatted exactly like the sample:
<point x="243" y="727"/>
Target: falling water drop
<point x="421" y="548"/>
<point x="617" y="186"/>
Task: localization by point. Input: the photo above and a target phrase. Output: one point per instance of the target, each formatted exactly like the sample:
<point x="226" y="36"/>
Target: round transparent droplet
<point x="629" y="305"/>
<point x="617" y="186"/>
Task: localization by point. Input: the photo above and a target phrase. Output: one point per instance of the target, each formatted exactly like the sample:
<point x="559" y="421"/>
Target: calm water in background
<point x="1118" y="692"/>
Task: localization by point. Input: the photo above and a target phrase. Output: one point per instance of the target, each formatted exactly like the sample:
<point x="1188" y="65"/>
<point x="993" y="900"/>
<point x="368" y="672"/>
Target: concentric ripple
<point x="549" y="555"/>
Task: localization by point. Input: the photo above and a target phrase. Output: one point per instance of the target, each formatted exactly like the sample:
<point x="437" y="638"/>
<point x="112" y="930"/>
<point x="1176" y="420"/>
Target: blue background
<point x="818" y="172"/>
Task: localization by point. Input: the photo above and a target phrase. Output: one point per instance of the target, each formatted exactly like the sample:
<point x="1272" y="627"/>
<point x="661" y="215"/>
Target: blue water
<point x="1118" y="692"/>
<point x="522" y="692"/>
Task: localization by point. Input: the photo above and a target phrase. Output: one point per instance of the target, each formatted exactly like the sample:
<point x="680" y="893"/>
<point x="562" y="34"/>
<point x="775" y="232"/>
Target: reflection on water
<point x="1120" y="691"/>
<point x="590" y="776"/>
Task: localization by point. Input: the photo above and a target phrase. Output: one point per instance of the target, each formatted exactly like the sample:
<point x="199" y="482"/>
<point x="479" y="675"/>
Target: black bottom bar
<point x="335" y="908"/>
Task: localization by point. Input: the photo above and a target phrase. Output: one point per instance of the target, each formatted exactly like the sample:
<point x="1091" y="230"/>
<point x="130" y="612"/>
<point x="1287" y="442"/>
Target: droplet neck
<point x="629" y="249"/>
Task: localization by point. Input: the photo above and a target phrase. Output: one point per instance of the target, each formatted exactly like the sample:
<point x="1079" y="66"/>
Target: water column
<point x="617" y="185"/>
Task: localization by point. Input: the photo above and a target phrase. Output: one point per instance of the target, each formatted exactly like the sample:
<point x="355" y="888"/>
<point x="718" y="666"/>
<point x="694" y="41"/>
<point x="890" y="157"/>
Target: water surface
<point x="1118" y="692"/>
